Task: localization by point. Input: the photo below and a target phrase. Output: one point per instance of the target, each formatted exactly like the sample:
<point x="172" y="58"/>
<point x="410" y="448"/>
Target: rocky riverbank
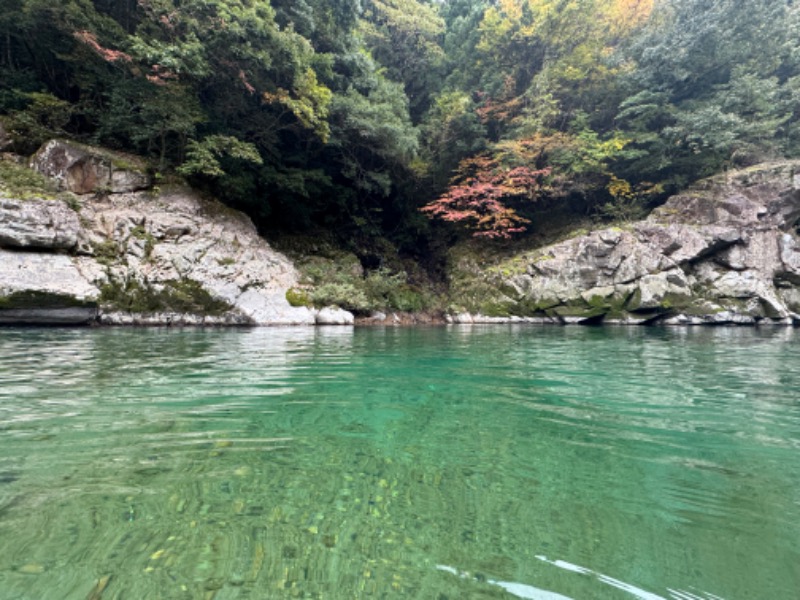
<point x="726" y="251"/>
<point x="108" y="247"/>
<point x="95" y="241"/>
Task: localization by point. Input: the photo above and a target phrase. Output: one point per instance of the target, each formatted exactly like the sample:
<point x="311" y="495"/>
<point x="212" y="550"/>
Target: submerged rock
<point x="32" y="569"/>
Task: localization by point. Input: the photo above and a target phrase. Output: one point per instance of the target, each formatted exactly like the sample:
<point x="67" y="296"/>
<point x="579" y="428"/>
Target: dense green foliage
<point x="352" y="115"/>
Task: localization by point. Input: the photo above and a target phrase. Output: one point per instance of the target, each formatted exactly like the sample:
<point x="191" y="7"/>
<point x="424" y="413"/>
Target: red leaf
<point x="477" y="198"/>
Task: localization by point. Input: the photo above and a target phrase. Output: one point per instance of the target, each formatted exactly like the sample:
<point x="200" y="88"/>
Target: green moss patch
<point x="33" y="299"/>
<point x="107" y="253"/>
<point x="21" y="183"/>
<point x="296" y="297"/>
<point x="582" y="312"/>
<point x="338" y="279"/>
<point x="180" y="296"/>
<point x="527" y="307"/>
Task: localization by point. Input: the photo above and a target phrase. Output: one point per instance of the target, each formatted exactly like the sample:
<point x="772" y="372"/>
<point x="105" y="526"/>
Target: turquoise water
<point x="431" y="463"/>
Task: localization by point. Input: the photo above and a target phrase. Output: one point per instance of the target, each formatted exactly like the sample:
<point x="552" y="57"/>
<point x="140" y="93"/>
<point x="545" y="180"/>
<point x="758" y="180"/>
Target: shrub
<point x="18" y="181"/>
<point x="44" y="117"/>
<point x="344" y="295"/>
<point x="297" y="297"/>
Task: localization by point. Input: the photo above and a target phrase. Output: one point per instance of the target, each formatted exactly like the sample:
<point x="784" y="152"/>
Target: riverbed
<point x="542" y="463"/>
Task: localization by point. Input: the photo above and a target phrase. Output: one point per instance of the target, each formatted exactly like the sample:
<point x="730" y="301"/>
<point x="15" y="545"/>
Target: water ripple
<point x="350" y="463"/>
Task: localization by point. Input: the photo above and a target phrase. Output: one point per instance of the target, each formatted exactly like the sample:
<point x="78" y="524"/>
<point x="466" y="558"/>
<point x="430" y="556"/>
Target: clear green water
<point x="431" y="463"/>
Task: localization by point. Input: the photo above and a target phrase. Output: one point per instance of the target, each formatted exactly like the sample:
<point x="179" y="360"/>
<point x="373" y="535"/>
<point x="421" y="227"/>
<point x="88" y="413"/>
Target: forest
<point x="412" y="122"/>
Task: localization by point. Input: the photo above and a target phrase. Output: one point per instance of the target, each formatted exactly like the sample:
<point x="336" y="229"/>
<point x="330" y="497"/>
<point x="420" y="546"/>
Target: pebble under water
<point x="541" y="463"/>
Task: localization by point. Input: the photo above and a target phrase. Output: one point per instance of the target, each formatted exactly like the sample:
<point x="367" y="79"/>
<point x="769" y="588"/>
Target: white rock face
<point x="178" y="236"/>
<point x="42" y="273"/>
<point x="40" y="288"/>
<point x="41" y="224"/>
<point x="167" y="242"/>
<point x="333" y="315"/>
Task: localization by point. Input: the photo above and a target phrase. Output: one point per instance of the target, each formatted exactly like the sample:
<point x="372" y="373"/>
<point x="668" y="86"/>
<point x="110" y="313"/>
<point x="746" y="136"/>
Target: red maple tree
<point x="478" y="195"/>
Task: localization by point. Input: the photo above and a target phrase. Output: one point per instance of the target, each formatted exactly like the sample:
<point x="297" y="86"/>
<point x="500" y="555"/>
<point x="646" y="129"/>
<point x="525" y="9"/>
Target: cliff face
<point x="112" y="249"/>
<point x="725" y="251"/>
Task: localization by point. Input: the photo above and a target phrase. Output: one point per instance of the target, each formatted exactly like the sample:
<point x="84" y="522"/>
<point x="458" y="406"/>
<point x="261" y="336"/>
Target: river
<point x="542" y="463"/>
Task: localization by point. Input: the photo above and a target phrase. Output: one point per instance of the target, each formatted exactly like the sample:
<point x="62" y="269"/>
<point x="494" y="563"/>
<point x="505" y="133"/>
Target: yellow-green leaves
<point x="202" y="157"/>
<point x="309" y="102"/>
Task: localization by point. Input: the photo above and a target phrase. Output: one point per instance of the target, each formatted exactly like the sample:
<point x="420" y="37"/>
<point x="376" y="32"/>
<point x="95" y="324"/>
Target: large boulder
<point x="85" y="170"/>
<point x="725" y="251"/>
<point x="177" y="244"/>
<point x="333" y="315"/>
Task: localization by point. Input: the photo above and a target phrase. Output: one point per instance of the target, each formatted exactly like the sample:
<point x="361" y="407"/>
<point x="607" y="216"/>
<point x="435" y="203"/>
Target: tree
<point x="549" y="59"/>
<point x="404" y="36"/>
<point x="712" y="87"/>
<point x="352" y="114"/>
<point x="544" y="74"/>
<point x="482" y="189"/>
<point x="452" y="130"/>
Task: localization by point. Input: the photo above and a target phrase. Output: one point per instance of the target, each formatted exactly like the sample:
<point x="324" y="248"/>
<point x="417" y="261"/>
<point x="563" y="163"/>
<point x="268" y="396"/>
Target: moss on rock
<point x="19" y="182"/>
<point x="34" y="299"/>
<point x="181" y="296"/>
<point x="298" y="297"/>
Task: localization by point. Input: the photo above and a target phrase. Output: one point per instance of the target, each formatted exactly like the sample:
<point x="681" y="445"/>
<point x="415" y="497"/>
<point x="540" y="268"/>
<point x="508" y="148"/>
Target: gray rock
<point x="48" y="316"/>
<point x="115" y="318"/>
<point x="660" y="288"/>
<point x="681" y="319"/>
<point x="140" y="243"/>
<point x="271" y="309"/>
<point x="540" y="320"/>
<point x="39" y="224"/>
<point x="170" y="319"/>
<point x="480" y="319"/>
<point x="789" y="249"/>
<point x="39" y="288"/>
<point x="333" y="315"/>
<point x="45" y="274"/>
<point x="85" y="170"/>
<point x="737" y="284"/>
<point x="725" y="251"/>
<point x="790" y="297"/>
<point x="179" y="236"/>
